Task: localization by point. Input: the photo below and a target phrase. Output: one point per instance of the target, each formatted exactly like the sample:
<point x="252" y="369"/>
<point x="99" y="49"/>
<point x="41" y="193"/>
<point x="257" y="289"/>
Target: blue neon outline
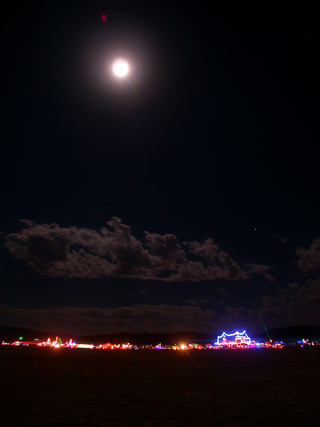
<point x="241" y="334"/>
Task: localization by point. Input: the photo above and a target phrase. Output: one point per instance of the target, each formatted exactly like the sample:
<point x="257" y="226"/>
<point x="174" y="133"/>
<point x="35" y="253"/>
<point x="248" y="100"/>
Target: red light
<point x="104" y="18"/>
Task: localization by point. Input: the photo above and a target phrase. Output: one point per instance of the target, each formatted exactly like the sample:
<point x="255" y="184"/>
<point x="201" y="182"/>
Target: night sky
<point x="184" y="196"/>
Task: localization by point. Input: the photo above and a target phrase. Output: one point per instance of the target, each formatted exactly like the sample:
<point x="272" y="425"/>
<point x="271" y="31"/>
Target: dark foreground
<point x="44" y="387"/>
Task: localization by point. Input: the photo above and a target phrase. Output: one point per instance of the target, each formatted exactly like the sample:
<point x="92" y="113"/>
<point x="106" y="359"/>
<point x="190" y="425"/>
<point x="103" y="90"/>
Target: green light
<point x="20" y="338"/>
<point x="254" y="306"/>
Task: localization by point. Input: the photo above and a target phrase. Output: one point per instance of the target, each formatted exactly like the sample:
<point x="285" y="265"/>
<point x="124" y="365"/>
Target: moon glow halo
<point x="120" y="68"/>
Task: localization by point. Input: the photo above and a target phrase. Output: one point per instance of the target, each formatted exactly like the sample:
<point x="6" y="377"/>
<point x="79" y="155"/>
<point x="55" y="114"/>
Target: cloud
<point x="309" y="261"/>
<point x="196" y="302"/>
<point x="136" y="319"/>
<point x="223" y="292"/>
<point x="114" y="251"/>
<point x="295" y="304"/>
<point x="283" y="240"/>
<point x="260" y="269"/>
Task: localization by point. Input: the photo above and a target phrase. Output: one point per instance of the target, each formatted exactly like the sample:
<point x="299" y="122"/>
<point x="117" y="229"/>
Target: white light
<point x="120" y="68"/>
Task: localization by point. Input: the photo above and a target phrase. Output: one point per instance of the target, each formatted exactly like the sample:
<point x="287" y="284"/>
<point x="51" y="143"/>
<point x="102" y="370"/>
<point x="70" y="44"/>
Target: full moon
<point x="120" y="68"/>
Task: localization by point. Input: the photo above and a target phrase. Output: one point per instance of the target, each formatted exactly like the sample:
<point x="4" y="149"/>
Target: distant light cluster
<point x="235" y="340"/>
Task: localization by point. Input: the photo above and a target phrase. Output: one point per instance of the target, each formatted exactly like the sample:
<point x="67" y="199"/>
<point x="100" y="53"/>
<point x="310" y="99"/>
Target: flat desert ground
<point x="46" y="387"/>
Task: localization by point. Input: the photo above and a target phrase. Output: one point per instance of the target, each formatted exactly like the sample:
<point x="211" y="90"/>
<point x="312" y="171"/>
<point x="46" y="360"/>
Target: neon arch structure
<point x="235" y="340"/>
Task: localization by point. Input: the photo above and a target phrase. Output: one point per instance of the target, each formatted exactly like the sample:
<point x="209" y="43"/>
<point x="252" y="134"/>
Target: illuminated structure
<point x="235" y="340"/>
<point x="91" y="346"/>
<point x="109" y="346"/>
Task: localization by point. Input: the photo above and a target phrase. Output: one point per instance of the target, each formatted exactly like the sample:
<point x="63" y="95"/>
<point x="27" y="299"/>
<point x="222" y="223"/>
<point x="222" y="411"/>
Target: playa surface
<point x="45" y="386"/>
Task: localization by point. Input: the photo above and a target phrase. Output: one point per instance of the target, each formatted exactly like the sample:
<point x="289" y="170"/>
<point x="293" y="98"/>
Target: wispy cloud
<point x="260" y="269"/>
<point x="309" y="259"/>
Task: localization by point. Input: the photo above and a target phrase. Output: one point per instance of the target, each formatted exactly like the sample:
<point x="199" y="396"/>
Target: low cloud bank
<point x="136" y="319"/>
